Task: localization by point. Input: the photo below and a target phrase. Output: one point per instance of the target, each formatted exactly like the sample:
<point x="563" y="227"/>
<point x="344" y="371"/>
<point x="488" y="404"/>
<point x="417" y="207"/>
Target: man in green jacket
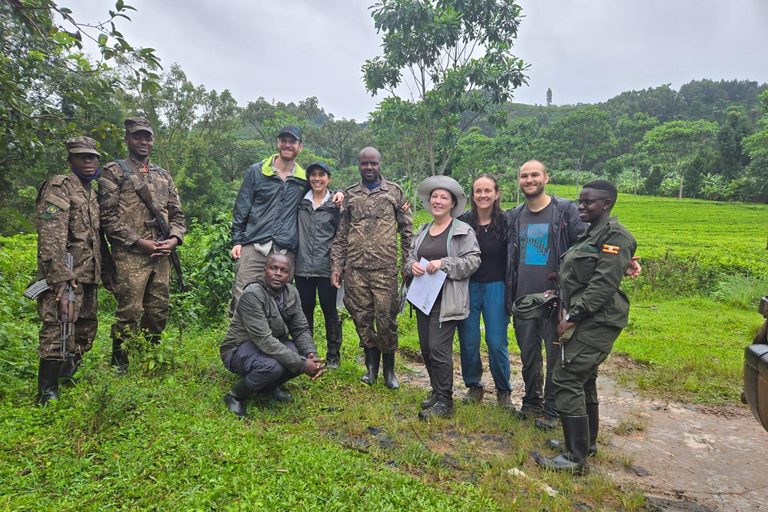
<point x="268" y="341"/>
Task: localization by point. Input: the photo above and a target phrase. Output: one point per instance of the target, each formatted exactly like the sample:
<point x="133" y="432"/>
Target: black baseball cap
<point x="290" y="130"/>
<point x="321" y="165"/>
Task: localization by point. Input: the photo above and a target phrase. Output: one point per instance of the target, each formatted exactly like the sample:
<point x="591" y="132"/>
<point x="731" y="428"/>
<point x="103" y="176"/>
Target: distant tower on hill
<point x="549" y="97"/>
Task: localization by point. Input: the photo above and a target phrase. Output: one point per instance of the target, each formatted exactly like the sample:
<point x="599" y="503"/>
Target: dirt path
<point x="684" y="457"/>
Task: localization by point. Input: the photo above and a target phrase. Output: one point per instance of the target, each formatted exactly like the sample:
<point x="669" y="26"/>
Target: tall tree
<point x="581" y="139"/>
<point x="338" y="139"/>
<point x="675" y="144"/>
<point x="549" y="97"/>
<point x="456" y="58"/>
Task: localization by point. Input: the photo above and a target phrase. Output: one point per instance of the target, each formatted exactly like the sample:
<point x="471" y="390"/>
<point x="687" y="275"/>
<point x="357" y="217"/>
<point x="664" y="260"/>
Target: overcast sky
<point x="585" y="50"/>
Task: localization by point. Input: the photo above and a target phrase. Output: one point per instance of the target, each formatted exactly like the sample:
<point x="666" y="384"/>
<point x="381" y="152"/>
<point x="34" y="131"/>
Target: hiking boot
<point x="429" y="401"/>
<point x="546" y="422"/>
<point x="48" y="381"/>
<point x="332" y="364"/>
<point x="442" y="408"/>
<point x="504" y="400"/>
<point x="474" y="395"/>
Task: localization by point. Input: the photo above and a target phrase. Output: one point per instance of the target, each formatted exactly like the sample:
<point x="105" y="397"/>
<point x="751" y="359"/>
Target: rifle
<point x="66" y="310"/>
<point x="559" y="312"/>
<point x="159" y="223"/>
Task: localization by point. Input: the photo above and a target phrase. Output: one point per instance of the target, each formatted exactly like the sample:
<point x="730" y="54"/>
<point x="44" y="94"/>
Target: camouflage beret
<point x="82" y="145"/>
<point x="138" y="124"/>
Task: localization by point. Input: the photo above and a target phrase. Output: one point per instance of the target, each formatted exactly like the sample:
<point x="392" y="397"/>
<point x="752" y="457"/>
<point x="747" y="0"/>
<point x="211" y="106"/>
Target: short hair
<point x="533" y="161"/>
<point x="279" y="255"/>
<point x="605" y="186"/>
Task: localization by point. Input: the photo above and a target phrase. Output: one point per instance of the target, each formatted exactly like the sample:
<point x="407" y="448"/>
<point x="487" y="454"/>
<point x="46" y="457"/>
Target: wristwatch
<point x="572" y="315"/>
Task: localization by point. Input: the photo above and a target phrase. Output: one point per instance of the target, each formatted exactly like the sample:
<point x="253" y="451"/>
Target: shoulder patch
<point x="406" y="206"/>
<point x="50" y="211"/>
<point x="611" y="249"/>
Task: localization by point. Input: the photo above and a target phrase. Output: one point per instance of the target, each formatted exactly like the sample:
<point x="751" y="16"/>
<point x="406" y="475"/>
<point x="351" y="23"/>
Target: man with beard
<point x="540" y="231"/>
<point x="142" y="264"/>
<point x="364" y="254"/>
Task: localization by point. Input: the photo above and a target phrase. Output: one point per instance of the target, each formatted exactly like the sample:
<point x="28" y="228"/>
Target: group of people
<point x="555" y="265"/>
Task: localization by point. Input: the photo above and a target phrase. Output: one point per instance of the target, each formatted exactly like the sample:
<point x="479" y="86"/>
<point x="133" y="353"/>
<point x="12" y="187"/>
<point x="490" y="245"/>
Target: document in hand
<point x="425" y="289"/>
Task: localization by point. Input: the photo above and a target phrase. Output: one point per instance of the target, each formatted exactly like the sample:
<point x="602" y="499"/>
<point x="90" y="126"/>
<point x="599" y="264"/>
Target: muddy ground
<point x="684" y="457"/>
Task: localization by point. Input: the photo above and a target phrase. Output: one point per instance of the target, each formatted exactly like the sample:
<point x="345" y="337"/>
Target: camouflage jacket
<point x="123" y="214"/>
<point x="68" y="221"/>
<point x="370" y="221"/>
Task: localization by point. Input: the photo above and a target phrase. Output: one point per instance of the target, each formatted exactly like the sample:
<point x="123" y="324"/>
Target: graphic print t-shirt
<point x="537" y="255"/>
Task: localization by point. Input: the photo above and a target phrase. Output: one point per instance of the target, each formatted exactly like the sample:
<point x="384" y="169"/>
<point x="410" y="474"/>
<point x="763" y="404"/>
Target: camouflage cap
<point x="82" y="145"/>
<point x="137" y="124"/>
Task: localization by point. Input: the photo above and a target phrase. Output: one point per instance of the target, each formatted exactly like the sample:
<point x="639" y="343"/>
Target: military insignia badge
<point x="611" y="249"/>
<point x="406" y="206"/>
<point x="51" y="210"/>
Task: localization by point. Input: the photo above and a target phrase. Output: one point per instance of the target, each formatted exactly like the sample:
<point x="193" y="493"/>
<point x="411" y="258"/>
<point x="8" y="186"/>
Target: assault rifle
<point x="159" y="223"/>
<point x="66" y="310"/>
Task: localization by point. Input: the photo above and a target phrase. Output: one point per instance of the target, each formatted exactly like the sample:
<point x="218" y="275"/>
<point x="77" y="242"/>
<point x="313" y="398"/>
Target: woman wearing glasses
<point x="595" y="311"/>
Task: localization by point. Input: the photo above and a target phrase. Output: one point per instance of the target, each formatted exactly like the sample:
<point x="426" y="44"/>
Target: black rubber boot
<point x="333" y="335"/>
<point x="236" y="397"/>
<point x="119" y="356"/>
<point x="372" y="359"/>
<point x="574" y="458"/>
<point x="48" y="381"/>
<point x="593" y="413"/>
<point x="69" y="368"/>
<point x="390" y="380"/>
<point x="442" y="408"/>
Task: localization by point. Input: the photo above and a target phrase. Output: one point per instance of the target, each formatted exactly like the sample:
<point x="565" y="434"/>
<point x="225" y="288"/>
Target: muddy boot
<point x="504" y="400"/>
<point x="574" y="458"/>
<point x="593" y="413"/>
<point x="333" y="355"/>
<point x="69" y="368"/>
<point x="546" y="422"/>
<point x="119" y="356"/>
<point x="48" y="381"/>
<point x="236" y="397"/>
<point x="278" y="394"/>
<point x="474" y="394"/>
<point x="442" y="408"/>
<point x="372" y="359"/>
<point x="390" y="380"/>
<point x="429" y="401"/>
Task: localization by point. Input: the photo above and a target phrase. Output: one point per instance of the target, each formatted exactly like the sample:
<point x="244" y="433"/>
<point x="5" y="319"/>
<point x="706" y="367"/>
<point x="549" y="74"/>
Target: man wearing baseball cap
<point x="141" y="260"/>
<point x="264" y="220"/>
<point x="68" y="229"/>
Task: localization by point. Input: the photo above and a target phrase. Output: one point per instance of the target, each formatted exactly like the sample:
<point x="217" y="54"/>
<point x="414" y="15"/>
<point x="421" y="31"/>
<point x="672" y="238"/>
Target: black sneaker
<point x="429" y="401"/>
<point x="443" y="408"/>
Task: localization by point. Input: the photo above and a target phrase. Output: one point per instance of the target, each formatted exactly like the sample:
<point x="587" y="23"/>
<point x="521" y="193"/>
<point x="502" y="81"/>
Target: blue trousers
<point x="486" y="299"/>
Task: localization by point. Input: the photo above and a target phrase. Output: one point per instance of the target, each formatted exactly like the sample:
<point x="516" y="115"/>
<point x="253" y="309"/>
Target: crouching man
<point x="268" y="341"/>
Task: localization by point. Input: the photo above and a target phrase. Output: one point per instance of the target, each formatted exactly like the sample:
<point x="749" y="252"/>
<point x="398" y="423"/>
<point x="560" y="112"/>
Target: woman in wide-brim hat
<point x="450" y="246"/>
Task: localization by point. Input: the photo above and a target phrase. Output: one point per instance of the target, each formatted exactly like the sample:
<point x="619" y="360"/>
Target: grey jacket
<point x="567" y="227"/>
<point x="317" y="228"/>
<point x="462" y="261"/>
<point x="258" y="319"/>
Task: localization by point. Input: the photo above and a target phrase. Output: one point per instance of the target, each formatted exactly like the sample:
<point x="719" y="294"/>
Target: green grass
<point x="161" y="439"/>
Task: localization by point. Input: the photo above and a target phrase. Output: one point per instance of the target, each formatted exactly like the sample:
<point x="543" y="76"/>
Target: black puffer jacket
<point x="567" y="227"/>
<point x="316" y="231"/>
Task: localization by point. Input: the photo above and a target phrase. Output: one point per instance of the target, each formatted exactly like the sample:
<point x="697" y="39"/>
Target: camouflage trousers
<point x="85" y="325"/>
<point x="371" y="299"/>
<point x="142" y="292"/>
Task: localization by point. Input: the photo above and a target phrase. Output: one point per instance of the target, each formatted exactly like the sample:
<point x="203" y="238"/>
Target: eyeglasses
<point x="590" y="202"/>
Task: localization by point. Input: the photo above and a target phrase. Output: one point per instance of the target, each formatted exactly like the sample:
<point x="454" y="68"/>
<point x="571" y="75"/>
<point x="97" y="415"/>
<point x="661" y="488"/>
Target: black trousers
<point x="436" y="342"/>
<point x="307" y="286"/>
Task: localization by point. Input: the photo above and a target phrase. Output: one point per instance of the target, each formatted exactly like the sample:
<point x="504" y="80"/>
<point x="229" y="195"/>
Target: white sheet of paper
<point x="424" y="289"/>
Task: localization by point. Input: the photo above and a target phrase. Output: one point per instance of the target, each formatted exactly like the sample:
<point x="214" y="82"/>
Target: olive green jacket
<point x="590" y="276"/>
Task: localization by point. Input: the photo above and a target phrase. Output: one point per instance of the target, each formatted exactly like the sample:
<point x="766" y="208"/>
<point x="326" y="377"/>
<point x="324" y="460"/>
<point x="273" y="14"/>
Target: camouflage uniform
<point x="142" y="283"/>
<point x="365" y="253"/>
<point x="68" y="221"/>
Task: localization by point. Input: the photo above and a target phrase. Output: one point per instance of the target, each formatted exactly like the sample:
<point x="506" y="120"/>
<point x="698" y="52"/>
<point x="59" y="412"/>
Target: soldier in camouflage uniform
<point x="68" y="222"/>
<point x="364" y="254"/>
<point x="142" y="265"/>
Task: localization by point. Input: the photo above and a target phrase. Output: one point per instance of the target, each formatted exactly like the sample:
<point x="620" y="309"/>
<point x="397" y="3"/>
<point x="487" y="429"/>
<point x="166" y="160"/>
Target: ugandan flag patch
<point x="611" y="249"/>
<point x="406" y="206"/>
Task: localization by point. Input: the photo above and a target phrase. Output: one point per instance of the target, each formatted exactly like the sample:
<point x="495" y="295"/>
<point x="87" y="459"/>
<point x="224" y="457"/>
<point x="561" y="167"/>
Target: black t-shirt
<point x="493" y="257"/>
<point x="434" y="247"/>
